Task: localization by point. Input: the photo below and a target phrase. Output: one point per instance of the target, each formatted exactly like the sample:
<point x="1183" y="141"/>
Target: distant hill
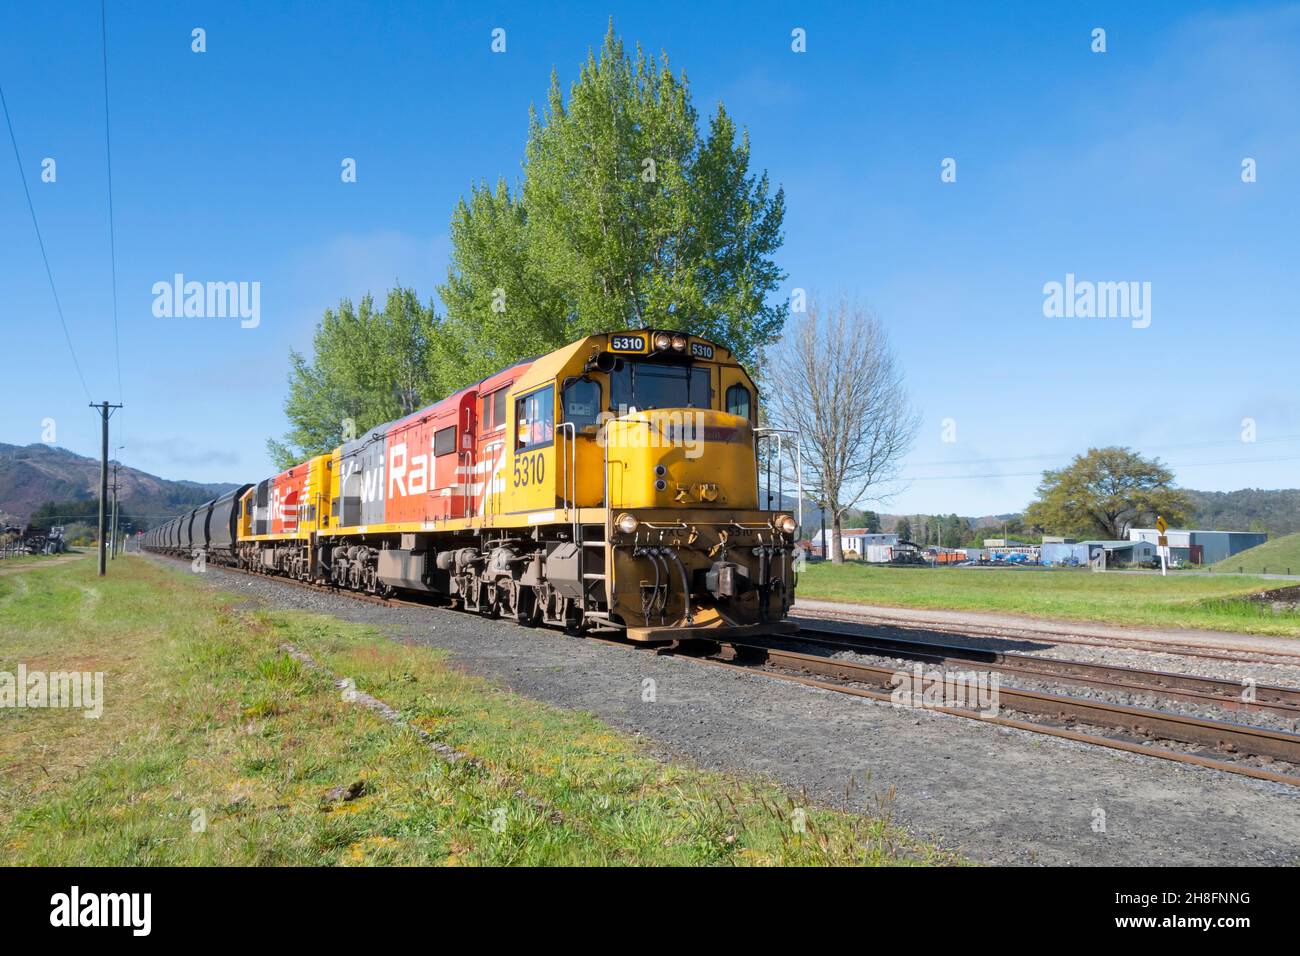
<point x="31" y="475"/>
<point x="1276" y="511"/>
<point x="1277" y="556"/>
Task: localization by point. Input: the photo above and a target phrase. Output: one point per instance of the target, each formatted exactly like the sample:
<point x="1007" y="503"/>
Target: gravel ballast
<point x="995" y="794"/>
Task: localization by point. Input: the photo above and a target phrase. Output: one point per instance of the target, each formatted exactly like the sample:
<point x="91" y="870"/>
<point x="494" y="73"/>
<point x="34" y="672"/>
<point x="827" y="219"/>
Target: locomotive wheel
<point x="521" y="603"/>
<point x="572" y="617"/>
<point x="490" y="601"/>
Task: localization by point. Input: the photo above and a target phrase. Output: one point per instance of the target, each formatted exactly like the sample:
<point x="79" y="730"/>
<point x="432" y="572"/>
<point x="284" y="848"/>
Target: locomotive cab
<point x="654" y="433"/>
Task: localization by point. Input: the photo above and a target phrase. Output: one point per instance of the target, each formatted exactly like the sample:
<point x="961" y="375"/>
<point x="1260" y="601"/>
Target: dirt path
<point x="33" y="565"/>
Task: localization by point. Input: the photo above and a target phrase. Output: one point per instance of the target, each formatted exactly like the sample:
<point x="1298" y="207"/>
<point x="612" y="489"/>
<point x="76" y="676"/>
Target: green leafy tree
<point x="871" y="521"/>
<point x="627" y="216"/>
<point x="368" y="366"/>
<point x="903" y="529"/>
<point x="954" y="531"/>
<point x="1104" y="493"/>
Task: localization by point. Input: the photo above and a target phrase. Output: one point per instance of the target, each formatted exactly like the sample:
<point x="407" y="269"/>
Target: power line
<point x="41" y="242"/>
<point x="112" y="232"/>
<point x="1044" y="455"/>
<point x="1039" y="474"/>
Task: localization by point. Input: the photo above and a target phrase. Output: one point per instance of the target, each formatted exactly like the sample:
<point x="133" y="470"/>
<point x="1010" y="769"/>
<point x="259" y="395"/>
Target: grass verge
<point x="1140" y="600"/>
<point x="217" y="747"/>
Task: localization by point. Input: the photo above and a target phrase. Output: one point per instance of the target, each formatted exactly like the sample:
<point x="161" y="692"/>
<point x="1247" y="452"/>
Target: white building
<point x="856" y="543"/>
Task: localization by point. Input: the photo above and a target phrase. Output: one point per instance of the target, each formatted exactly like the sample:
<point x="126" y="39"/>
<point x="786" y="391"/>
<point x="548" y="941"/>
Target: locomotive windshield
<point x="643" y="385"/>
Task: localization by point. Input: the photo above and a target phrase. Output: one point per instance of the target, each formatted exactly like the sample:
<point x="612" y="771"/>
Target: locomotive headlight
<point x="626" y="523"/>
<point x="679" y="343"/>
<point x="785" y="524"/>
<point x="663" y="340"/>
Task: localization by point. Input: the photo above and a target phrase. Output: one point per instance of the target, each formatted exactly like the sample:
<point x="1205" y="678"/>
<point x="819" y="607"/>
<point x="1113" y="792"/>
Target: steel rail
<point x="1219" y="692"/>
<point x="1108" y="743"/>
<point x="1141" y="722"/>
<point x="1038" y="636"/>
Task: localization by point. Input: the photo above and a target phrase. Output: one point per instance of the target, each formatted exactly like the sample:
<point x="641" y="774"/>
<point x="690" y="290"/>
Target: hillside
<point x="1276" y="511"/>
<point x="1272" y="557"/>
<point x="31" y="475"/>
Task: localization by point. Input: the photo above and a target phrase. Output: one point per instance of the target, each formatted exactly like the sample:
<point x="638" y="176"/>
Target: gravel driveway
<point x="997" y="795"/>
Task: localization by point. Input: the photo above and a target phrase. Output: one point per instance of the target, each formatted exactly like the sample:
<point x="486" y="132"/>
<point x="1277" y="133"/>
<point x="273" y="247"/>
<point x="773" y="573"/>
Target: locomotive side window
<point x="582" y="403"/>
<point x="444" y="440"/>
<point x="643" y="385"/>
<point x="493" y="414"/>
<point x="738" y="401"/>
<point x="499" y="409"/>
<point x="535" y="418"/>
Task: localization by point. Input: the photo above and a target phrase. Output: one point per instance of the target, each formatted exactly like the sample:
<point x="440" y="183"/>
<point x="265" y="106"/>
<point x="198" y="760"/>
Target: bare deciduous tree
<point x="834" y="379"/>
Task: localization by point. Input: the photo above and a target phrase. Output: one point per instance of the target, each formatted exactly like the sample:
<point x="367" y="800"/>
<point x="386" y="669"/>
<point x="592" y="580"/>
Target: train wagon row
<point x="212" y="528"/>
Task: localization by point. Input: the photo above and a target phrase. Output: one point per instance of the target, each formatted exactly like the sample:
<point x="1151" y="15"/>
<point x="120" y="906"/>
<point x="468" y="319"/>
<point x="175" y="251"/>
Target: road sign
<point x="1162" y="544"/>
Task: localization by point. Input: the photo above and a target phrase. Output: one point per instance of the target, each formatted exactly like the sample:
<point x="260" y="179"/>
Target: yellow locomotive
<point x="609" y="486"/>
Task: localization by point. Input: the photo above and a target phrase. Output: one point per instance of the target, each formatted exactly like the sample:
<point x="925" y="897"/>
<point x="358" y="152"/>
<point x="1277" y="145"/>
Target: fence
<point x="14" y="548"/>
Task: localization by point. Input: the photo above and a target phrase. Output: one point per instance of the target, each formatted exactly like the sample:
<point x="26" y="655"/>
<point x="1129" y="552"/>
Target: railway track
<point x="1038" y="637"/>
<point x="1130" y="729"/>
<point x="1140" y="730"/>
<point x="1217" y="692"/>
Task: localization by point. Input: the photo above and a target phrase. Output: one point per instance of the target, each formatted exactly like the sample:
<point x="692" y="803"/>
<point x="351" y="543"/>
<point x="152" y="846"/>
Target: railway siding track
<point x="1142" y="723"/>
<point x="1036" y="635"/>
<point x="1226" y="694"/>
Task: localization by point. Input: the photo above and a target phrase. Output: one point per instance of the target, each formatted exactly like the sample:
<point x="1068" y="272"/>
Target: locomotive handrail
<point x="760" y="433"/>
<point x="489" y="479"/>
<point x="609" y="511"/>
<point x="571" y="475"/>
<point x="466" y="482"/>
<point x="467" y="472"/>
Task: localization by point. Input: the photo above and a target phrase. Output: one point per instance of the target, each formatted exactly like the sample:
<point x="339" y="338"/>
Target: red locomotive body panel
<point x="288" y="495"/>
<point x="492" y="411"/>
<point x="427" y="456"/>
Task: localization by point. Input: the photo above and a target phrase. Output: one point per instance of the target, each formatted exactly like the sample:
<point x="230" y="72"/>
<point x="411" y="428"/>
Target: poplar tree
<point x="368" y="366"/>
<point x="627" y="216"/>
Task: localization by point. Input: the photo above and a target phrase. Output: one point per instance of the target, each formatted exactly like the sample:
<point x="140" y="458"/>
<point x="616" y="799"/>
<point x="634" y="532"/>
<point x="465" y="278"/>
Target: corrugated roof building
<point x="1201" y="547"/>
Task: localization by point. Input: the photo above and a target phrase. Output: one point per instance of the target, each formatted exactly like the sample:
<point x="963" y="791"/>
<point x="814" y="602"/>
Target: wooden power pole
<point x="105" y="412"/>
<point x="113" y="524"/>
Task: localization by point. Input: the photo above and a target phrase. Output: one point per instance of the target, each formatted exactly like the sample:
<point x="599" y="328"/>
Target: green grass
<point x="1143" y="600"/>
<point x="1271" y="557"/>
<point x="206" y="717"/>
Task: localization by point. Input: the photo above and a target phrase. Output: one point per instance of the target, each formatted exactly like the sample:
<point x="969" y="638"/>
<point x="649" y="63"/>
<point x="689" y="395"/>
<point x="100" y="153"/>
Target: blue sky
<point x="1115" y="166"/>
